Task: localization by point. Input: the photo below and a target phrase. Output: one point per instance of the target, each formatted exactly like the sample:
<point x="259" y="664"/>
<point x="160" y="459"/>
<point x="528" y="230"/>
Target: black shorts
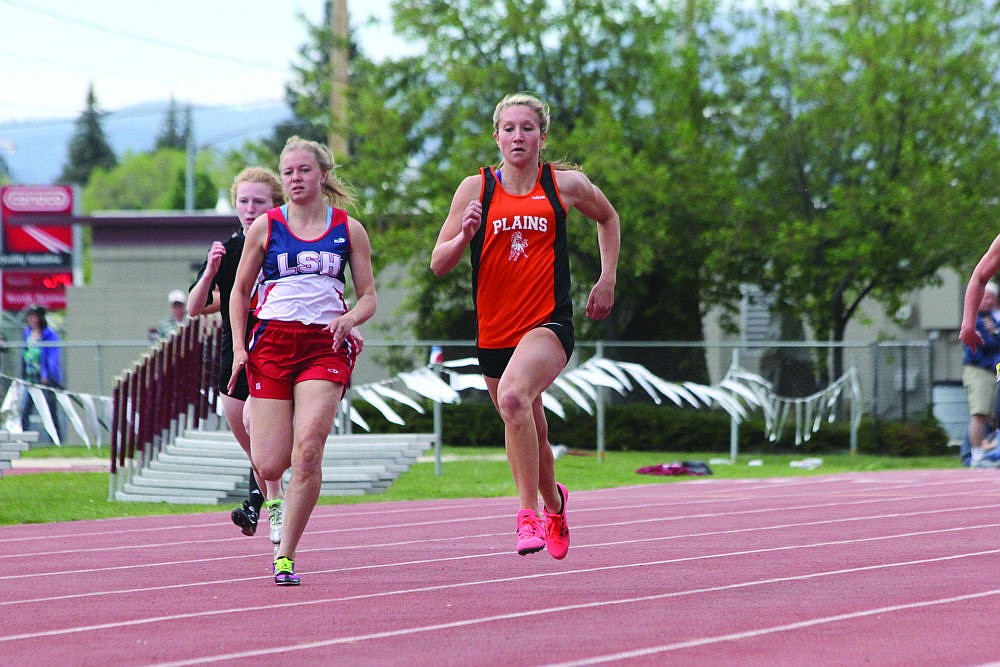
<point x="493" y="362"/>
<point x="242" y="390"/>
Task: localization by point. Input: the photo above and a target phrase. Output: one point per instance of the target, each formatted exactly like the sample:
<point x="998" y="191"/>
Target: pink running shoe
<point x="530" y="533"/>
<point x="556" y="528"/>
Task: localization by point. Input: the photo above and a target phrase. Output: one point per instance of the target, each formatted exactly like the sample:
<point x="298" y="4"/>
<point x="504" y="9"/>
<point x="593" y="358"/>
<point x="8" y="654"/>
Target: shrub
<point x="921" y="438"/>
<point x="646" y="427"/>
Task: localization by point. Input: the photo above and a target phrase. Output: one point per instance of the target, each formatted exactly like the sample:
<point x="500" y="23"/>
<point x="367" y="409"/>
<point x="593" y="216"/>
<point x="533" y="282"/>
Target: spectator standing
<point x="979" y="373"/>
<point x="177" y="300"/>
<point x="40" y="364"/>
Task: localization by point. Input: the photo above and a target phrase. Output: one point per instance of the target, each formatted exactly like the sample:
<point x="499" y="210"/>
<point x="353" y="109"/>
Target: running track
<point x="897" y="568"/>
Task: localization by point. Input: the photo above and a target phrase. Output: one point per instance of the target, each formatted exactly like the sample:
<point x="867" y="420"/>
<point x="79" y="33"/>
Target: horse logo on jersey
<point x="517" y="245"/>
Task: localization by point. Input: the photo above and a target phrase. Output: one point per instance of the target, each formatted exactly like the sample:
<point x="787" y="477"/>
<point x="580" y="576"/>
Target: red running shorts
<point x="285" y="353"/>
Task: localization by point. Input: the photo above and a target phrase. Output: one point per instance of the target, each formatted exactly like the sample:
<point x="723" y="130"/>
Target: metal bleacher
<point x="209" y="467"/>
<point x="11" y="446"/>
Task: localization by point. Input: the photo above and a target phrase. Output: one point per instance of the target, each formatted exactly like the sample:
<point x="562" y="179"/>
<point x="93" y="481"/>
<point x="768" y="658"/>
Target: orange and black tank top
<point x="520" y="264"/>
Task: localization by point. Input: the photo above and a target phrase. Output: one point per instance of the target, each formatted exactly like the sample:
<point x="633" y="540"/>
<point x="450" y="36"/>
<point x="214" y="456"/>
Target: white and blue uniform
<point x="300" y="276"/>
<point x="300" y="294"/>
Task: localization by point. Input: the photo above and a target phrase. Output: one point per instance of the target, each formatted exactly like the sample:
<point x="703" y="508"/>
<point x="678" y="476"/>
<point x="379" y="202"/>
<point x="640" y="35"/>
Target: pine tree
<point x="89" y="148"/>
<point x="174" y="133"/>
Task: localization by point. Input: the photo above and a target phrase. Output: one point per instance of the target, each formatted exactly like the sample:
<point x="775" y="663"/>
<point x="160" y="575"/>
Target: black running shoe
<point x="246" y="518"/>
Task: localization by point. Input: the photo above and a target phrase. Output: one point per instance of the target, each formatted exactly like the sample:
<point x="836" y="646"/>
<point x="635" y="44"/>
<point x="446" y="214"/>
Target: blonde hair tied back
<point x="335" y="192"/>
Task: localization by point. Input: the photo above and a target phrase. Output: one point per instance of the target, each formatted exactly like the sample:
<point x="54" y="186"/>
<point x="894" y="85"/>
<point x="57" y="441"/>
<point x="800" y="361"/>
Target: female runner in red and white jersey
<point x="302" y="351"/>
<point x="513" y="218"/>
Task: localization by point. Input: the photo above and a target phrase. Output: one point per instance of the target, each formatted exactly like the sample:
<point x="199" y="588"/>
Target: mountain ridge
<point x="36" y="150"/>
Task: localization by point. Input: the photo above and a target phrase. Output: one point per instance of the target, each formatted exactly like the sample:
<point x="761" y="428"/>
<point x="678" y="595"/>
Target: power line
<point x="113" y="116"/>
<point x="142" y="38"/>
<point x="87" y="68"/>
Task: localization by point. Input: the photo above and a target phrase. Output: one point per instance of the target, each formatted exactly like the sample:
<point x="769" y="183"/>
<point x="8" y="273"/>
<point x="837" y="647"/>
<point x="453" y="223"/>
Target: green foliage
<point x="925" y="437"/>
<point x="869" y="150"/>
<point x="147" y="181"/>
<point x="143" y="181"/>
<point x="205" y="193"/>
<point x="827" y="152"/>
<point x="88" y="148"/>
<point x="644" y="427"/>
<point x="5" y="173"/>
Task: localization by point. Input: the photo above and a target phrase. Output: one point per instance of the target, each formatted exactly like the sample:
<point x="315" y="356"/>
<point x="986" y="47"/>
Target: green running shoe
<point x="284" y="572"/>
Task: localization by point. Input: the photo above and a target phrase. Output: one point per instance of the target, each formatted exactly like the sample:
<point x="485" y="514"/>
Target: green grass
<point x="477" y="472"/>
<point x="53" y="452"/>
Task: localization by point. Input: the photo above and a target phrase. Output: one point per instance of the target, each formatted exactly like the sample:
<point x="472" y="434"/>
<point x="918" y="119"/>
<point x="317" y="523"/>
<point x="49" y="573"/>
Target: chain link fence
<point x="897" y="379"/>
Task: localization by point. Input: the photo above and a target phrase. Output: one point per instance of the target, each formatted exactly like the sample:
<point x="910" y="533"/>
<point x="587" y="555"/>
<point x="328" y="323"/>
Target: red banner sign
<point x="26" y="288"/>
<point x="35" y="245"/>
<point x="36" y="200"/>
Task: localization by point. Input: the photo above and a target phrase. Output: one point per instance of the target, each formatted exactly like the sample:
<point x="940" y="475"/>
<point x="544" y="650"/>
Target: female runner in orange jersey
<point x="513" y="219"/>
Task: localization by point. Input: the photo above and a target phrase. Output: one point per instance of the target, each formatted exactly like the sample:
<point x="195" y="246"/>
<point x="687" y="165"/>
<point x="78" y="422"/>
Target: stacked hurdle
<point x="168" y="442"/>
<point x="170" y="389"/>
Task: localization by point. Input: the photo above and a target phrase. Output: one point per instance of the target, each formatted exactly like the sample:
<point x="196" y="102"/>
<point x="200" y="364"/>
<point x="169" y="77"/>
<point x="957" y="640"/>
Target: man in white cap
<point x="177" y="300"/>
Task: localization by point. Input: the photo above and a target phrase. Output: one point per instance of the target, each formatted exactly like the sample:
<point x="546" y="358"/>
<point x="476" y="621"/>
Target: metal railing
<point x="898" y="379"/>
<point x="170" y="388"/>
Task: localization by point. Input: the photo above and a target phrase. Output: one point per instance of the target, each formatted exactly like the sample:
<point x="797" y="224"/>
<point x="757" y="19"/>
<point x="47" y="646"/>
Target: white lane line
<point x="592" y="605"/>
<point x="480" y="518"/>
<point x="506" y="554"/>
<point x="215" y="522"/>
<point x="761" y="632"/>
<point x="591" y="570"/>
<point x="335" y="512"/>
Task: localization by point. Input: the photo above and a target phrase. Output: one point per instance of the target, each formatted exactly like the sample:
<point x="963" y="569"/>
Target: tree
<point x="869" y="156"/>
<point x="421" y="124"/>
<point x="88" y="148"/>
<point x="308" y="94"/>
<point x="827" y="153"/>
<point x="176" y="132"/>
<point x="147" y="181"/>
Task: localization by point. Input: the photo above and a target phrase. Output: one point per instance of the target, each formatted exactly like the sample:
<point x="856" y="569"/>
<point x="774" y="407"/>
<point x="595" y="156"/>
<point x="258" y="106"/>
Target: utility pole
<point x="337" y="139"/>
<point x="189" y="163"/>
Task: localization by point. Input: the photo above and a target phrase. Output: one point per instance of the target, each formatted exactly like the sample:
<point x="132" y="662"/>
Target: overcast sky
<point x="202" y="52"/>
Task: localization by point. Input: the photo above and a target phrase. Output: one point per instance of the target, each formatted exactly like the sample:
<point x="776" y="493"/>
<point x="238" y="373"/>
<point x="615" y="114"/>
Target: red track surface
<point x="876" y="568"/>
